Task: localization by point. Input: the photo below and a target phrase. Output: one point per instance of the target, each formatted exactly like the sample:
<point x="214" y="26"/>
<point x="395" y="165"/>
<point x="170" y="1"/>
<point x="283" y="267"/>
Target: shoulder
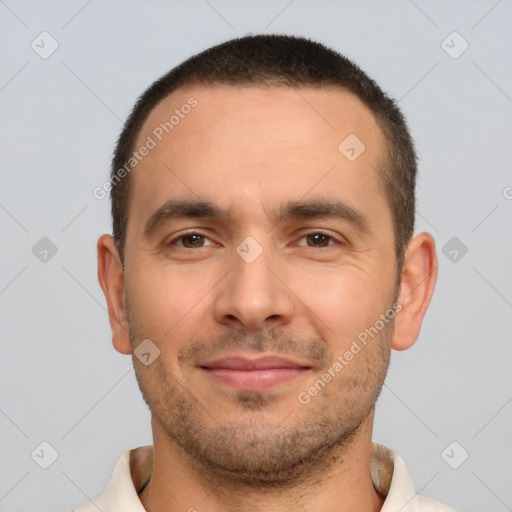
<point x="428" y="505"/>
<point x="132" y="470"/>
<point x="392" y="479"/>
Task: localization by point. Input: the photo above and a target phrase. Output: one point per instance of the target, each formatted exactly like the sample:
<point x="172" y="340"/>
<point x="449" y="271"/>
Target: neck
<point x="180" y="483"/>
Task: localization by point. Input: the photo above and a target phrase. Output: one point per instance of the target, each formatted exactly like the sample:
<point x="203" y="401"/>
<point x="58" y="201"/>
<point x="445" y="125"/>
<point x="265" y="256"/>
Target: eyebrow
<point x="312" y="209"/>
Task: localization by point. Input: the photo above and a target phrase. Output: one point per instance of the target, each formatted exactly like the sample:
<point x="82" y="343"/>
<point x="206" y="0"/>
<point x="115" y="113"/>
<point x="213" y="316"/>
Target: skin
<point x="247" y="150"/>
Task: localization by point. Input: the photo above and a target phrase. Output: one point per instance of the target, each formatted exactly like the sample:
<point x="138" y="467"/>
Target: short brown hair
<point x="289" y="61"/>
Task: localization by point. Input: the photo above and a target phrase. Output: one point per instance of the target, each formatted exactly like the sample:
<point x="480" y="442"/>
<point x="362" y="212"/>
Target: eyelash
<point x="305" y="235"/>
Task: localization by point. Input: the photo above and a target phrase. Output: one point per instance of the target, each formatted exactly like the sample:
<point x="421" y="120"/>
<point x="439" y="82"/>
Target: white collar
<point x="388" y="470"/>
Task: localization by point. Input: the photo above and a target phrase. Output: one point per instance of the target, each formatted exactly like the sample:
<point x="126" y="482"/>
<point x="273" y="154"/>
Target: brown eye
<point x="318" y="240"/>
<point x="190" y="241"/>
<point x="193" y="241"/>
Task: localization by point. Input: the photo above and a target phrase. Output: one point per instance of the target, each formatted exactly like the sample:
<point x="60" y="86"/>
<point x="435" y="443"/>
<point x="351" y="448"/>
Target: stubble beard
<point x="259" y="452"/>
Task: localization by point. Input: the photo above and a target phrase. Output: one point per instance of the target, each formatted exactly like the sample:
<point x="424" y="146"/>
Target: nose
<point x="254" y="295"/>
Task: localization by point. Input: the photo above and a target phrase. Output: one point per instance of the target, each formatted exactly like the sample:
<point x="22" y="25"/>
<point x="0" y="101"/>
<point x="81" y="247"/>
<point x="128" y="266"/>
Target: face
<point x="258" y="254"/>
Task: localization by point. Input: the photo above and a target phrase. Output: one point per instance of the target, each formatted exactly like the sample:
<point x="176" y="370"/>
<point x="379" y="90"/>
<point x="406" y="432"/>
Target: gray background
<point x="60" y="379"/>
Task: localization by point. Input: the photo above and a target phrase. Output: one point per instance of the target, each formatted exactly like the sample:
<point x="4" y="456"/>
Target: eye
<point x="190" y="241"/>
<point x="318" y="239"/>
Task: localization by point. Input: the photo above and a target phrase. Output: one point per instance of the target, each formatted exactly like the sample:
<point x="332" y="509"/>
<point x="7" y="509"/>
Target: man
<point x="261" y="269"/>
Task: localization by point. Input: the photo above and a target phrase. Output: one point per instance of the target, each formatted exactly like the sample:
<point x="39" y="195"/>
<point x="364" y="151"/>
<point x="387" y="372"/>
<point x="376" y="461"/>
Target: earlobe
<point x="419" y="274"/>
<point x="111" y="279"/>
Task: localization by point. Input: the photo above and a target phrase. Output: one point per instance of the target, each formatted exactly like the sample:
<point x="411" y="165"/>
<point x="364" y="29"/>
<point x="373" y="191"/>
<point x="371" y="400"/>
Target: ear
<point x="111" y="279"/>
<point x="419" y="274"/>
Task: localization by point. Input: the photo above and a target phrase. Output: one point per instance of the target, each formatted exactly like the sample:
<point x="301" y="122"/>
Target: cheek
<point x="168" y="302"/>
<point x="343" y="301"/>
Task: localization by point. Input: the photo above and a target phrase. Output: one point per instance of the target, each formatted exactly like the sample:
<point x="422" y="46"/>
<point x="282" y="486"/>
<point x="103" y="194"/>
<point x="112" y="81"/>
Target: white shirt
<point x="389" y="475"/>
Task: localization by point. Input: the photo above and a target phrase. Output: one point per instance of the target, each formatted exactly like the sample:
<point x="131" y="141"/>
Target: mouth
<point x="254" y="373"/>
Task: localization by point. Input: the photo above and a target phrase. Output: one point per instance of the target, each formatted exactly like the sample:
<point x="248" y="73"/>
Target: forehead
<point x="328" y="109"/>
<point x="241" y="145"/>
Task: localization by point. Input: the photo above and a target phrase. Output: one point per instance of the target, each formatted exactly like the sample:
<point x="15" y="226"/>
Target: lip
<point x="254" y="373"/>
<point x="251" y="363"/>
